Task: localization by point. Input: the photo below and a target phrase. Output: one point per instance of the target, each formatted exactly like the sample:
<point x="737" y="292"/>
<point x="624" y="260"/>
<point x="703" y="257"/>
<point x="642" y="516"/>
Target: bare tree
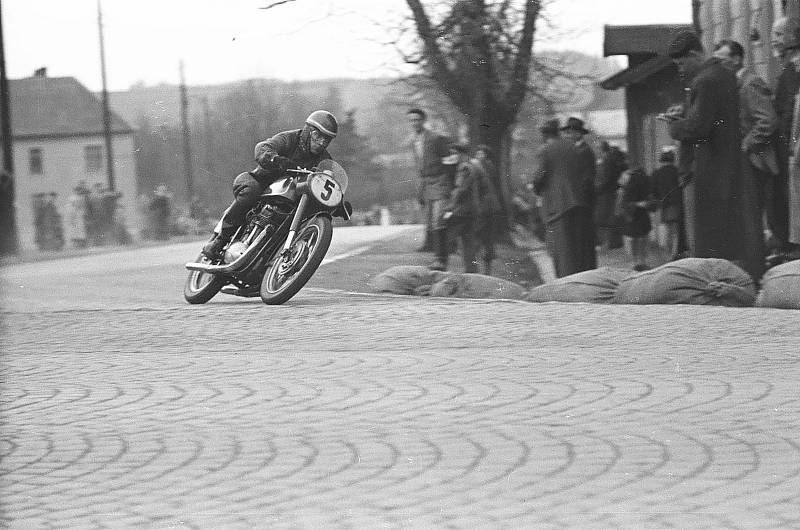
<point x="480" y="55"/>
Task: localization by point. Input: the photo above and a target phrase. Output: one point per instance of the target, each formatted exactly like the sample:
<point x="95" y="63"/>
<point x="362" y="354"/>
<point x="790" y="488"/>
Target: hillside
<point x="380" y="103"/>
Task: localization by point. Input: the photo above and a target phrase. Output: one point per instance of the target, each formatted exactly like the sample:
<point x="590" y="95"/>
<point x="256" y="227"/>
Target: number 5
<point x="328" y="190"/>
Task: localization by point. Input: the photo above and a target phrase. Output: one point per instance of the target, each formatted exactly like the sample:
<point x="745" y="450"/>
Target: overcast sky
<point x="227" y="40"/>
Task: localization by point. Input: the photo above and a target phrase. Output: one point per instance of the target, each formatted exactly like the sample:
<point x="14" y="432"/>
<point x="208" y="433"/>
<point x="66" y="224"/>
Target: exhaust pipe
<point x="235" y="265"/>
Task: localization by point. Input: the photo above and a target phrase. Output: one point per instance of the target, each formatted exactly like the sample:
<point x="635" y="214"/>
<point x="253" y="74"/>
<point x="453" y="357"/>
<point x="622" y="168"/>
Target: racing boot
<point x="213" y="248"/>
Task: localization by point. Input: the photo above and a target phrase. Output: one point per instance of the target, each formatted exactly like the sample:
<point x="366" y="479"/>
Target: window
<point x="94" y="158"/>
<point x="35" y="161"/>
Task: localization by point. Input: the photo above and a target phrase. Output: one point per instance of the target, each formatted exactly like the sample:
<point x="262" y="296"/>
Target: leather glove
<point x="277" y="162"/>
<point x="281" y="162"/>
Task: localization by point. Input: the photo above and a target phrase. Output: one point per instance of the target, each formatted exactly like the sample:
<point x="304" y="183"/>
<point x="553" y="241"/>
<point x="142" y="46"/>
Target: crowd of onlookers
<point x="736" y="170"/>
<point x="92" y="218"/>
<point x="460" y="195"/>
<point x="582" y="202"/>
<point x="729" y="186"/>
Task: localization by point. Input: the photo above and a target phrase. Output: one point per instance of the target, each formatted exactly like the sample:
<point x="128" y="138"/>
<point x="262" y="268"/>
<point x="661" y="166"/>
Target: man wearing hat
<point x="561" y="180"/>
<point x="576" y="131"/>
<point x="721" y="218"/>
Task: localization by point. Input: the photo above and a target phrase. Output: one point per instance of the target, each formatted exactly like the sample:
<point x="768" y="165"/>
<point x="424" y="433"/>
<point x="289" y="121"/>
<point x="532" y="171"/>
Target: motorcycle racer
<point x="303" y="148"/>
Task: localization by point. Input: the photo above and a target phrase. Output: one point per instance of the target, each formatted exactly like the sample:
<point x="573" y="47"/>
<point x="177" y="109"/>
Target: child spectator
<point x="634" y="202"/>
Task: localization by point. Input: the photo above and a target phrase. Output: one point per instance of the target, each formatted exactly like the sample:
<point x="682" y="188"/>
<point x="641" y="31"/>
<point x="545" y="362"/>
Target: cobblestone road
<point x="381" y="412"/>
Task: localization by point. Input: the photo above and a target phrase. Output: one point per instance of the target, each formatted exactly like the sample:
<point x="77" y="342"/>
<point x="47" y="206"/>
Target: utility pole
<point x="9" y="244"/>
<point x="207" y="130"/>
<point x="187" y="146"/>
<point x="106" y="110"/>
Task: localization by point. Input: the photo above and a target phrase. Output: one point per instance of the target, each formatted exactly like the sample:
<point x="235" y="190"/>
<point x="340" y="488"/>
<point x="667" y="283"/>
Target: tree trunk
<point x="497" y="137"/>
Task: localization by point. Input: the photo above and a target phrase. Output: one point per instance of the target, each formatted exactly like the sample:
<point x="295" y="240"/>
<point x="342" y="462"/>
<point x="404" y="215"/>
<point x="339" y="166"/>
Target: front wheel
<point x="200" y="287"/>
<point x="289" y="272"/>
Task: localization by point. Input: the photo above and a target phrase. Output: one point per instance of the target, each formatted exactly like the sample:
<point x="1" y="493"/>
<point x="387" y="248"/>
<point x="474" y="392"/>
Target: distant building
<point x="651" y="81"/>
<point x="651" y="85"/>
<point x="57" y="130"/>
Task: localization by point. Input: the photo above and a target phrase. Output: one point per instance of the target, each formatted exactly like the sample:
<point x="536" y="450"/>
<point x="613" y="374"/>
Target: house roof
<point x="637" y="40"/>
<point x="57" y="107"/>
<point x="636" y="74"/>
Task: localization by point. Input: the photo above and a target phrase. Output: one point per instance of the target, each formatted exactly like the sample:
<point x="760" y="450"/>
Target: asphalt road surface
<point x="121" y="406"/>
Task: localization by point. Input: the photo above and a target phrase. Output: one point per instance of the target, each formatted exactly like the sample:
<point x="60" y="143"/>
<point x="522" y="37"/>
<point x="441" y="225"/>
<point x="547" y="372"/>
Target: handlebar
<point x="310" y="171"/>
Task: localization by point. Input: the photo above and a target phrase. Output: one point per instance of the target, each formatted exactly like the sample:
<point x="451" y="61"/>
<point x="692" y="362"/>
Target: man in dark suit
<point x="575" y="130"/>
<point x="430" y="149"/>
<point x="786" y="86"/>
<point x="561" y="180"/>
<point x="722" y="220"/>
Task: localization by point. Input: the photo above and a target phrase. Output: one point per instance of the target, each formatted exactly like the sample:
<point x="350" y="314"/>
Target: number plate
<point x="325" y="190"/>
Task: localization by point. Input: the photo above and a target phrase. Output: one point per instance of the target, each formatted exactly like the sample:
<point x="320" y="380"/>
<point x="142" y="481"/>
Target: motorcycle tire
<point x="200" y="287"/>
<point x="285" y="276"/>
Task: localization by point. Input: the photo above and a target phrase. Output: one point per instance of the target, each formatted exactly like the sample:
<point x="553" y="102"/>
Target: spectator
<point x="429" y="150"/>
<point x="793" y="250"/>
<point x="667" y="193"/>
<point x="634" y="204"/>
<point x="575" y="131"/>
<point x="47" y="220"/>
<point x="101" y="210"/>
<point x="786" y="88"/>
<point x="94" y="219"/>
<point x="461" y="211"/>
<point x="161" y="211"/>
<point x="562" y="181"/>
<point x="108" y="214"/>
<point x="612" y="164"/>
<point x="758" y="127"/>
<point x="719" y="212"/>
<point x="490" y="214"/>
<point x="76" y="215"/>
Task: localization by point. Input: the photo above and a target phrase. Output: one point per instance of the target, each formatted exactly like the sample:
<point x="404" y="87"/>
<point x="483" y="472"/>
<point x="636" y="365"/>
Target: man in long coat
<point x="561" y="181"/>
<point x="758" y="127"/>
<point x="430" y="149"/>
<point x="722" y="218"/>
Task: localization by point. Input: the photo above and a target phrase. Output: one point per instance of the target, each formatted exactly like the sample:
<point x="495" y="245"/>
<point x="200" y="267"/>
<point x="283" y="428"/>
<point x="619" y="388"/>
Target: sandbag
<point x="469" y="285"/>
<point x="695" y="281"/>
<point x="596" y="286"/>
<point x="405" y="279"/>
<point x="780" y="287"/>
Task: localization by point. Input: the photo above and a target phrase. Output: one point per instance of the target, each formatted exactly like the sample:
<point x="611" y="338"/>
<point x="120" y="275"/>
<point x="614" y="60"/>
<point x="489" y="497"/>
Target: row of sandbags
<point x="697" y="281"/>
<point x="422" y="281"/>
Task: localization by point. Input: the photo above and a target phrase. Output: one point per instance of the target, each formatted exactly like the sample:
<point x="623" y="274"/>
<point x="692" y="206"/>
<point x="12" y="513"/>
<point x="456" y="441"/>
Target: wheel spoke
<point x="285" y="269"/>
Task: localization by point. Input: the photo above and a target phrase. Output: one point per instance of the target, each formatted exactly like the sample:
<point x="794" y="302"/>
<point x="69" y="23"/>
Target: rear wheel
<point x="289" y="272"/>
<point x="200" y="287"/>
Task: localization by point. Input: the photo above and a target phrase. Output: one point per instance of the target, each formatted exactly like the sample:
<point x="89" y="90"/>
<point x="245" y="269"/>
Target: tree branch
<point x="434" y="54"/>
<point x="275" y="4"/>
<point x="519" y="78"/>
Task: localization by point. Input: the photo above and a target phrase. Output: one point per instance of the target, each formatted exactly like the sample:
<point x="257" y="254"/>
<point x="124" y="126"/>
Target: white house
<point x="58" y="141"/>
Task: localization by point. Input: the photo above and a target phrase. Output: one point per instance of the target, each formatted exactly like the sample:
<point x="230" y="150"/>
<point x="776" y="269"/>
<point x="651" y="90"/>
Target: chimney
<point x="40" y="72"/>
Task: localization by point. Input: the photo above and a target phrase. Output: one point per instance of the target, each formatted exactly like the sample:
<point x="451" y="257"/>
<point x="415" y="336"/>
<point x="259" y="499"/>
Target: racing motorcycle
<point x="282" y="242"/>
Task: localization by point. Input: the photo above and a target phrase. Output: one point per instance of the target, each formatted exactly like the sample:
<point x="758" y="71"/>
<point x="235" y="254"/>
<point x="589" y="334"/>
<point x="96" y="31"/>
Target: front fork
<point x="298" y="217"/>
